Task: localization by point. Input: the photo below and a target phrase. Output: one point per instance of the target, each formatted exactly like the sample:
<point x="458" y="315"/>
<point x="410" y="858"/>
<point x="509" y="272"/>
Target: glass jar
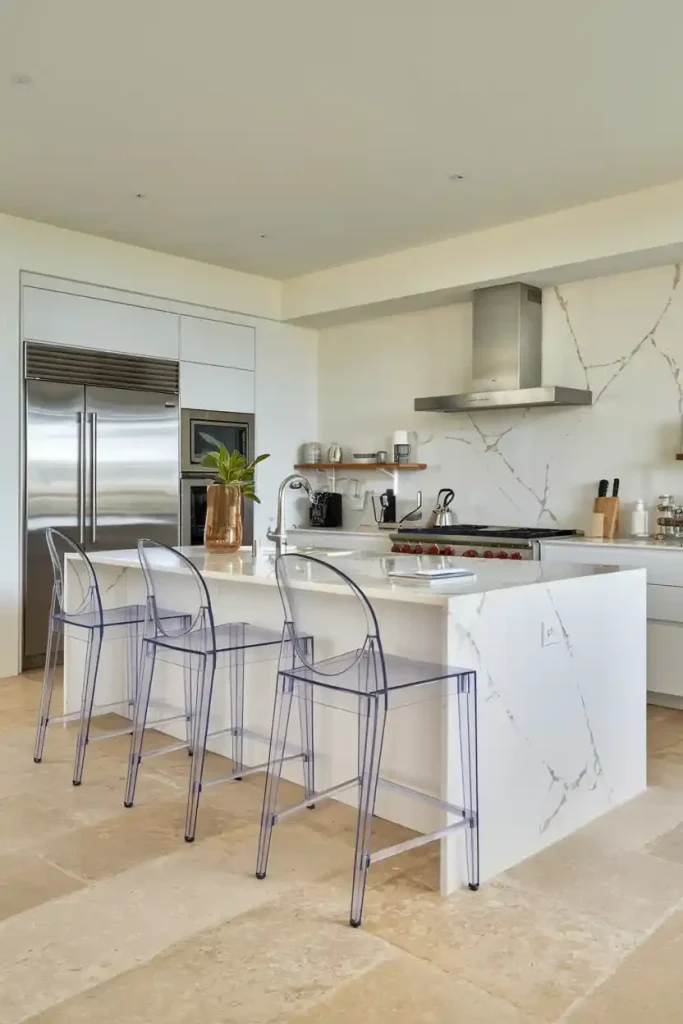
<point x="665" y="516"/>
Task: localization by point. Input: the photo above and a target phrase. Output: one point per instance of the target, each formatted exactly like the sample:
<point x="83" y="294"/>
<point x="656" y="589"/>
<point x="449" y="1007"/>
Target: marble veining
<point x="619" y="336"/>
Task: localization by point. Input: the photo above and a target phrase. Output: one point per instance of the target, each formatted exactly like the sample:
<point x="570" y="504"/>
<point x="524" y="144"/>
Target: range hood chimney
<point x="506" y="356"/>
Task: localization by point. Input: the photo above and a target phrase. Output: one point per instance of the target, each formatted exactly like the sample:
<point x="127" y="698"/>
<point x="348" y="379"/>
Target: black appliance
<point x="326" y="509"/>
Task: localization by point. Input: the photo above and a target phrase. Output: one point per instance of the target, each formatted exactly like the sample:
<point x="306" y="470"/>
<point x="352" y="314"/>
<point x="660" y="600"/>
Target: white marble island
<point x="559" y="652"/>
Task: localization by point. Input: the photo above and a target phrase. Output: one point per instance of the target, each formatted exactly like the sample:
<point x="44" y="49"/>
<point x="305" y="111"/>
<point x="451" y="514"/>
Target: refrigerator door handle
<point x="81" y="478"/>
<point x="93" y="477"/>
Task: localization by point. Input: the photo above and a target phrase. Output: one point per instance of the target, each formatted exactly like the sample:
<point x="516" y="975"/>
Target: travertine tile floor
<point x="106" y="915"/>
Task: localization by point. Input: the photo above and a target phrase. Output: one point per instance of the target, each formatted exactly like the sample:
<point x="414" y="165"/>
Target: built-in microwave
<point x="199" y="430"/>
<point x="233" y="429"/>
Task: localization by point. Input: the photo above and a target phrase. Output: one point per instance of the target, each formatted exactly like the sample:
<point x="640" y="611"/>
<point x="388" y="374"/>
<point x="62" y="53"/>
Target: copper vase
<point x="223" y="527"/>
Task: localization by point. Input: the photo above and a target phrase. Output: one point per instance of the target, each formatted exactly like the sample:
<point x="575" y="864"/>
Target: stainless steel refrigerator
<point x="102" y="462"/>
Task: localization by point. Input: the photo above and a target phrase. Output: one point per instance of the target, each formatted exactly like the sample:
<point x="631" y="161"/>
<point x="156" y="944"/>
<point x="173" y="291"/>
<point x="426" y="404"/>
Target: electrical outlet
<point x="550" y="634"/>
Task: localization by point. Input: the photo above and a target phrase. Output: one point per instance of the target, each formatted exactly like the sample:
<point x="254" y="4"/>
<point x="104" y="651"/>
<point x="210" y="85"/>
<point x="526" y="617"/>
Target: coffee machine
<point x="326" y="509"/>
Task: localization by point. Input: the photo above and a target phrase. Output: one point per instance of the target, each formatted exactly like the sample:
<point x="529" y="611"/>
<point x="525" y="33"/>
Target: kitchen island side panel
<point x="561" y="710"/>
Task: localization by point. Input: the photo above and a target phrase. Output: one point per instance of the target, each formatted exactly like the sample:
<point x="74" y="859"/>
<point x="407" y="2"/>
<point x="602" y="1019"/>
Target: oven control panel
<point x="459" y="550"/>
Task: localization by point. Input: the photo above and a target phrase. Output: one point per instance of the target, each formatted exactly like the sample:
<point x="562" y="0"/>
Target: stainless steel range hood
<point x="506" y="357"/>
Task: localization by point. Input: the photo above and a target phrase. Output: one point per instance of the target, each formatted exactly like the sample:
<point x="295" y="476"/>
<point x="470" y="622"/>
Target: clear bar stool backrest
<point x="84" y="599"/>
<point x="160" y="566"/>
<point x="360" y="626"/>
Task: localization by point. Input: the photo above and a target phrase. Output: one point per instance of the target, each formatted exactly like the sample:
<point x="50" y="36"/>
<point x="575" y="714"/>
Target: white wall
<point x="620" y="335"/>
<point x="285" y="354"/>
<point x="641" y="229"/>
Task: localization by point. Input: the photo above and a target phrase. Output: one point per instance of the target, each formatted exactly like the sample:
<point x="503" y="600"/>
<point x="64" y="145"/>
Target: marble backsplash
<point x="620" y="336"/>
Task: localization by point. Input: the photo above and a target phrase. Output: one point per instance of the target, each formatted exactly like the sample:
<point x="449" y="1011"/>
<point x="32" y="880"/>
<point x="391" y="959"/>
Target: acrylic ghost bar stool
<point x="369" y="682"/>
<point x="77" y="613"/>
<point x="204" y="646"/>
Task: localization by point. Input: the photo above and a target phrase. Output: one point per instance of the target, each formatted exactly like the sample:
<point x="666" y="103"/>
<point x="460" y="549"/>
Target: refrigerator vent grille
<point x="108" y="369"/>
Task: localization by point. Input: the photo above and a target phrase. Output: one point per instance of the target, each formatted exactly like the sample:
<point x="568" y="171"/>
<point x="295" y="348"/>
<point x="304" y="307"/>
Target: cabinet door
<point x="216" y="342"/>
<point x="65" y="319"/>
<point x="216" y="388"/>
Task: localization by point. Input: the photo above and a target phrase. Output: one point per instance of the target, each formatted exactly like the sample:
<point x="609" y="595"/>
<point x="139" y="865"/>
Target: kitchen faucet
<point x="279" y="535"/>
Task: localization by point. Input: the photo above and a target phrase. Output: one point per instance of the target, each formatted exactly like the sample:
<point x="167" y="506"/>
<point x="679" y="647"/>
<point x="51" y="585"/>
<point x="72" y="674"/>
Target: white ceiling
<point x="330" y="126"/>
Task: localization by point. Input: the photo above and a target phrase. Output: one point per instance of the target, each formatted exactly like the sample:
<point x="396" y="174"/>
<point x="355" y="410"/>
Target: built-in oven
<point x="199" y="430"/>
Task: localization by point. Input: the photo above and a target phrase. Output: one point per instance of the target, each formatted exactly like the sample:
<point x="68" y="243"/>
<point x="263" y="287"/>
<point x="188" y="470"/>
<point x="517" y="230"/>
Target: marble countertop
<point x="674" y="544"/>
<point x="369" y="570"/>
<point x="339" y="531"/>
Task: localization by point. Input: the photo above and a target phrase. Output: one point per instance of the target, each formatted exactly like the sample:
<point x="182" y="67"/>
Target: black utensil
<point x="615" y="487"/>
<point x="602" y="488"/>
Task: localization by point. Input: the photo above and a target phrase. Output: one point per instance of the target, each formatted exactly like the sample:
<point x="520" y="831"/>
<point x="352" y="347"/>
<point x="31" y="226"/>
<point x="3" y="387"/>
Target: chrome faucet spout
<point x="279" y="534"/>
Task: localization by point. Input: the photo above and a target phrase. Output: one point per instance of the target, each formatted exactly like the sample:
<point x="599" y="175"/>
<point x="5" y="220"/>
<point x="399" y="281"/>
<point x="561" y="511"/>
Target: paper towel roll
<point x="596" y="526"/>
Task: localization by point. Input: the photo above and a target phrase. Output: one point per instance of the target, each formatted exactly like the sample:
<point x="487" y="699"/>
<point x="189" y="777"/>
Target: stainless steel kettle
<point x="442" y="515"/>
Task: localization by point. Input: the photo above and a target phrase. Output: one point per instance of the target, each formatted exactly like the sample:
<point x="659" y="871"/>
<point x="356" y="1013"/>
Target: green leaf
<point x="210" y="460"/>
<point x="258" y="459"/>
<point x="210" y="440"/>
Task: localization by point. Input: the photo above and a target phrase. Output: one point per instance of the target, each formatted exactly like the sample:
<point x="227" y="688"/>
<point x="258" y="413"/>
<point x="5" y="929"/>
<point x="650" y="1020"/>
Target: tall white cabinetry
<point x="217" y="361"/>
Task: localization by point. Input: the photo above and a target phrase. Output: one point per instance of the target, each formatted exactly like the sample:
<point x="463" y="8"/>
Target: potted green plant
<point x="224" y="498"/>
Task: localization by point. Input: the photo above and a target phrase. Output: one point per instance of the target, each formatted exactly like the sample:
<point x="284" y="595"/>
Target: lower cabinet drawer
<point x="664" y="603"/>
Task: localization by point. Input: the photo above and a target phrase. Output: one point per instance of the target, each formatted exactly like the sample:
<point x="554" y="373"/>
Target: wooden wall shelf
<point x="391" y="466"/>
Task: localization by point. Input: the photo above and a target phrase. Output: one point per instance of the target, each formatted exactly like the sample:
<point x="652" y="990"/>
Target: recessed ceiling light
<point x="21" y="78"/>
<point x="456" y="177"/>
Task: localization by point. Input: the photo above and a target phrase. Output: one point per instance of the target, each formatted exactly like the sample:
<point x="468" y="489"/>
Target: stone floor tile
<point x="521" y="947"/>
<point x="62" y="948"/>
<point x="409" y="991"/>
<point x="28" y="880"/>
<point x="261" y="968"/>
<point x="648" y="986"/>
<point x="629" y="889"/>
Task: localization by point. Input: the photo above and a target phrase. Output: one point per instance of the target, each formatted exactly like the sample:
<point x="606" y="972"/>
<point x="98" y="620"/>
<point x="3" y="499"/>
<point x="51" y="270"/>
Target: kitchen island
<point x="559" y="652"/>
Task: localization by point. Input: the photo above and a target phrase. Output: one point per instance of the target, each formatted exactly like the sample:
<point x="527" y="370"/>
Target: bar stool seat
<point x="225" y="637"/>
<point x="86" y="617"/>
<point x="125" y="615"/>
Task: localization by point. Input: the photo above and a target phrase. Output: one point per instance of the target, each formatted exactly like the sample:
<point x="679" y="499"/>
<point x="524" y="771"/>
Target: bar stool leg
<point x="237" y="702"/>
<point x="467" y="717"/>
<point x="189" y="702"/>
<point x="132" y="663"/>
<point x="51" y="657"/>
<point x="92" y="661"/>
<point x="139" y="720"/>
<point x="207" y="672"/>
<point x="276" y="753"/>
<point x="306" y="708"/>
<point x="373" y="720"/>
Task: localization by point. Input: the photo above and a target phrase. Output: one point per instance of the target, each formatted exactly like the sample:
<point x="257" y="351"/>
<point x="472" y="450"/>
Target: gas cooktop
<point x="467" y="530"/>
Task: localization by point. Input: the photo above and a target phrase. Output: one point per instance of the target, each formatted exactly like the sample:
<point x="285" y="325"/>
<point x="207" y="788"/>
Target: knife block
<point x="610" y="510"/>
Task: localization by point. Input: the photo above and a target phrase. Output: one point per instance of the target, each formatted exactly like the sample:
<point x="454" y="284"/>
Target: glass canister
<point x="665" y="515"/>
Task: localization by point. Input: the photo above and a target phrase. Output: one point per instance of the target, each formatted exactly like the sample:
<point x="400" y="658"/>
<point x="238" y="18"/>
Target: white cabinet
<point x="216" y="342"/>
<point x="216" y="388"/>
<point x="664" y="567"/>
<point x="65" y="319"/>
